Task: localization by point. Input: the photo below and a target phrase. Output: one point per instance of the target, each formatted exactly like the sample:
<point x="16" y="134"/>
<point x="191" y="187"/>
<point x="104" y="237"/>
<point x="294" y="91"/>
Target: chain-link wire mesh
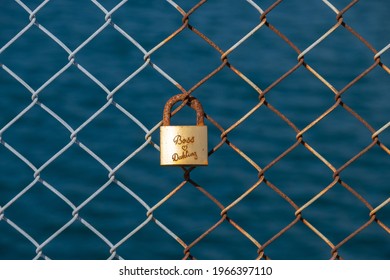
<point x="30" y="224"/>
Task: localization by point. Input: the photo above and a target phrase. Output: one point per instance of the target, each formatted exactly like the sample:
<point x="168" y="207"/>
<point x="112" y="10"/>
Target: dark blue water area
<point x="75" y="175"/>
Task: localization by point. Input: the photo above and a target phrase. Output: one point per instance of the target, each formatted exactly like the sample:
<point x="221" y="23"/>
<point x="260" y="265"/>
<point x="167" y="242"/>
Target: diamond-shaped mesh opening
<point x="73" y="97"/>
<point x="60" y="17"/>
<point x="222" y="90"/>
<point x="84" y="244"/>
<point x="229" y="182"/>
<point x="263" y="57"/>
<point x="223" y="243"/>
<point x="272" y="214"/>
<point x="41" y="146"/>
<point x="378" y="162"/>
<point x="310" y="99"/>
<point x="62" y="174"/>
<point x="11" y="185"/>
<point x="10" y="27"/>
<point x="220" y="29"/>
<point x="336" y="223"/>
<point x="298" y="243"/>
<point x="142" y="171"/>
<point x="160" y="245"/>
<point x="364" y="246"/>
<point x="275" y="134"/>
<point x="338" y="143"/>
<point x="176" y="57"/>
<point x="17" y="94"/>
<point x="13" y="244"/>
<point x="193" y="213"/>
<point x="43" y="59"/>
<point x="113" y="204"/>
<point x="376" y="13"/>
<point x="144" y="25"/>
<point x="298" y="174"/>
<point x="373" y="86"/>
<point x="39" y="212"/>
<point x="317" y="20"/>
<point x="144" y="99"/>
<point x="111" y="50"/>
<point x="111" y="135"/>
<point x="342" y="66"/>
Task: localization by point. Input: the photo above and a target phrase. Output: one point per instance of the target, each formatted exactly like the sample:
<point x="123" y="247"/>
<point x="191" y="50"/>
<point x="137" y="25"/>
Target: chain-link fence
<point x="298" y="158"/>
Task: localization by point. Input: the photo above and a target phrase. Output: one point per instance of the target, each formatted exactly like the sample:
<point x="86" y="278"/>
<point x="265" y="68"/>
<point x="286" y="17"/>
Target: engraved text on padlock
<point x="183" y="145"/>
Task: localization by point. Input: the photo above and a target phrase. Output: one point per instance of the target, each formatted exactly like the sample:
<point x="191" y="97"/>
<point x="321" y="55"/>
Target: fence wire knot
<point x="115" y="177"/>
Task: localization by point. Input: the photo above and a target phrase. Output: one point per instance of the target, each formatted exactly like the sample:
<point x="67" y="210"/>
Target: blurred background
<point x="34" y="63"/>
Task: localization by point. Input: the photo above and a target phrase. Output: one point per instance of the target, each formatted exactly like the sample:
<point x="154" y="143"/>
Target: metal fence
<point x="149" y="132"/>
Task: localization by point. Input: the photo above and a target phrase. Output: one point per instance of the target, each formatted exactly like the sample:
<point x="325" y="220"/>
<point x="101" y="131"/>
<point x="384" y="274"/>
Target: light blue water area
<point x="112" y="136"/>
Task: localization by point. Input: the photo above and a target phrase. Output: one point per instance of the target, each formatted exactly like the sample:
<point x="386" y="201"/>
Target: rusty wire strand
<point x="260" y="247"/>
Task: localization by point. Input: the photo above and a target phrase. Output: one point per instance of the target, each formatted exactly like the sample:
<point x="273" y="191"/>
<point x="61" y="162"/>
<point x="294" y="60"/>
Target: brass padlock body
<point x="186" y="144"/>
<point x="183" y="145"/>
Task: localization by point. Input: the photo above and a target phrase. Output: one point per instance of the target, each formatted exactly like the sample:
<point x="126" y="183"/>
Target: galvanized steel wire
<point x="340" y="22"/>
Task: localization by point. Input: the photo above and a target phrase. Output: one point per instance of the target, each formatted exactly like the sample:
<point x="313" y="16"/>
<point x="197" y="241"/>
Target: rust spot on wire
<point x="187" y="98"/>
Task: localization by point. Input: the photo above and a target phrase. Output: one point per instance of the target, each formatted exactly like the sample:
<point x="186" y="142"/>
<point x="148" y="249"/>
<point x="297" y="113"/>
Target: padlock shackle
<point x="192" y="102"/>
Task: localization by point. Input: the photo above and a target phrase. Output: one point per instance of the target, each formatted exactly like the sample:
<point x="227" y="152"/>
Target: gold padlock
<point x="186" y="144"/>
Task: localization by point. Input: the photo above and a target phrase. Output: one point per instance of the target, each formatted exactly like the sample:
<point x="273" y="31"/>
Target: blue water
<point x="187" y="58"/>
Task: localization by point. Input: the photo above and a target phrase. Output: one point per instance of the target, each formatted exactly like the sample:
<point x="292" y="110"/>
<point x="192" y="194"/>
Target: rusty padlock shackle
<point x="192" y="102"/>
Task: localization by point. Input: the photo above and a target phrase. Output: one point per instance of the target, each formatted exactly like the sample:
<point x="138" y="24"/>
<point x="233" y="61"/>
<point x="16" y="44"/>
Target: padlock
<point x="184" y="144"/>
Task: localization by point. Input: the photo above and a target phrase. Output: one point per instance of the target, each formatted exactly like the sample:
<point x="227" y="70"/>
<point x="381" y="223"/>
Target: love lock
<point x="183" y="144"/>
